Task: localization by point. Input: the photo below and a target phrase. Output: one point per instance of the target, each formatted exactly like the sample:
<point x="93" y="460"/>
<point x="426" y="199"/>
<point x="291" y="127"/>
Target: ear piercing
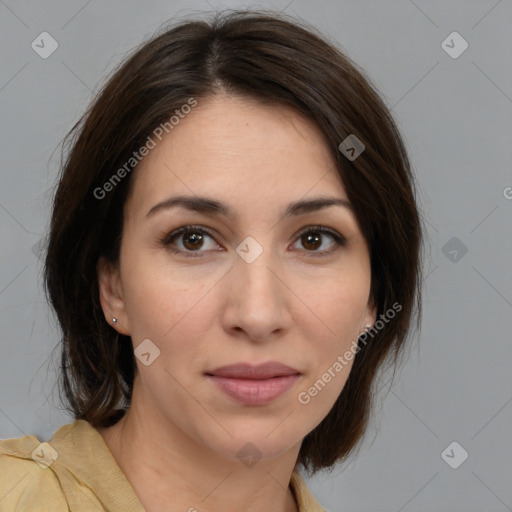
<point x="114" y="320"/>
<point x="367" y="327"/>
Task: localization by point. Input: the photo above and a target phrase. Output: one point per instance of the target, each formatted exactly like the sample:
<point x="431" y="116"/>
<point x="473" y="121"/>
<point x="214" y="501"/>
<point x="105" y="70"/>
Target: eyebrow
<point x="213" y="207"/>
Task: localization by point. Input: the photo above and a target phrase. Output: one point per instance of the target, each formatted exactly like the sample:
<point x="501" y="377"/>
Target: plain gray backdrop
<point x="454" y="110"/>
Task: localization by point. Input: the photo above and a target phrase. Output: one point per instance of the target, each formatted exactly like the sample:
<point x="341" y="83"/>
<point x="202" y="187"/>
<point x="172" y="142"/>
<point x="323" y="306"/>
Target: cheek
<point x="338" y="305"/>
<point x="164" y="305"/>
<point x="335" y="345"/>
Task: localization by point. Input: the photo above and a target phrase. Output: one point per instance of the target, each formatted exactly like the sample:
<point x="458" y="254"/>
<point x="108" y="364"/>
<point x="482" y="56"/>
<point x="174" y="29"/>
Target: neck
<point x="166" y="466"/>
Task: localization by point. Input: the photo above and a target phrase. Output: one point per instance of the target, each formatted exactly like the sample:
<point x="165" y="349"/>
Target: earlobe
<point x="111" y="296"/>
<point x="373" y="315"/>
<point x="370" y="315"/>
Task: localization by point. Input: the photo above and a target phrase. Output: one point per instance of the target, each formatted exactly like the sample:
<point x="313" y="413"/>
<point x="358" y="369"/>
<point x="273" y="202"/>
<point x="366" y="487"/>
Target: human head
<point x="261" y="57"/>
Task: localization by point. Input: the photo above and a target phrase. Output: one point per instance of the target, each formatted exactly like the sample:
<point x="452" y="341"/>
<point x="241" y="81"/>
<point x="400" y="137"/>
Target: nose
<point x="257" y="299"/>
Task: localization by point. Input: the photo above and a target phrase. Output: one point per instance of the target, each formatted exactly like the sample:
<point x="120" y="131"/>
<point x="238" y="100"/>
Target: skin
<point x="217" y="309"/>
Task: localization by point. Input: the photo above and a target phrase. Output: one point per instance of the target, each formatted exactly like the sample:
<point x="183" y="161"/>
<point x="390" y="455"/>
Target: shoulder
<point x="27" y="480"/>
<point x="73" y="471"/>
<point x="305" y="500"/>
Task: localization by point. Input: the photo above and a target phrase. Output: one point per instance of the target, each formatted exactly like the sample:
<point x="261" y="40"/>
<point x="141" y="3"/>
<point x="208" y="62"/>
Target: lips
<point x="254" y="385"/>
<point x="259" y="372"/>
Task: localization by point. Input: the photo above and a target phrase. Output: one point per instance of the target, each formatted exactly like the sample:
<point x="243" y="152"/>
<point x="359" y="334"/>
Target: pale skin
<point x="178" y="442"/>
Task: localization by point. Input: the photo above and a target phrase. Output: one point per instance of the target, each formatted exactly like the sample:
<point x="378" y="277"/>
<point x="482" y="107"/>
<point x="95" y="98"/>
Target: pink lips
<point x="254" y="385"/>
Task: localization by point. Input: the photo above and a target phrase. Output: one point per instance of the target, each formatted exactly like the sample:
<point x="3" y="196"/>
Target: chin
<point x="252" y="440"/>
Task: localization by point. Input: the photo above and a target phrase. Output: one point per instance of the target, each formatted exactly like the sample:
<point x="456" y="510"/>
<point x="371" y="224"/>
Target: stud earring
<point x="367" y="326"/>
<point x="114" y="320"/>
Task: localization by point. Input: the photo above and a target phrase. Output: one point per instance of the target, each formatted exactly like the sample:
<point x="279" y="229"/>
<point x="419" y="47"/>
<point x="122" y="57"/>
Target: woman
<point x="234" y="252"/>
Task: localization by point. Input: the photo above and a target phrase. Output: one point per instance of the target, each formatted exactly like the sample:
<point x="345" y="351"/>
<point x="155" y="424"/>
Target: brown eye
<point x="192" y="240"/>
<point x="311" y="242"/>
<point x="312" y="238"/>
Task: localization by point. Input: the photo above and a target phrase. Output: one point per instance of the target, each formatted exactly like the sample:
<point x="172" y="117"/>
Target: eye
<point x="311" y="238"/>
<point x="193" y="239"/>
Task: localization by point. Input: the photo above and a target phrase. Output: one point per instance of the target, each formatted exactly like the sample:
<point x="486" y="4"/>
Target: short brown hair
<point x="276" y="60"/>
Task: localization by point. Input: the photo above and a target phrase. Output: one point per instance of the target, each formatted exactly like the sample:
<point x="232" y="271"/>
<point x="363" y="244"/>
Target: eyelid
<point x="166" y="239"/>
<point x="339" y="238"/>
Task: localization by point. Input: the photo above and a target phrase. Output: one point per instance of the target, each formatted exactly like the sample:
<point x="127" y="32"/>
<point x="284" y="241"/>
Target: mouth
<point x="254" y="385"/>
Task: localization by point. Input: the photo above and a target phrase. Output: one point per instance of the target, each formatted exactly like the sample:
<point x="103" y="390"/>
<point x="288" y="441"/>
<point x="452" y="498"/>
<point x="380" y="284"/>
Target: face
<point x="251" y="282"/>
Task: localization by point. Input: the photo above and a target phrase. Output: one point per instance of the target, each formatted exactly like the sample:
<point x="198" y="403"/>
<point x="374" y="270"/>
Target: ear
<point x="111" y="296"/>
<point x="369" y="315"/>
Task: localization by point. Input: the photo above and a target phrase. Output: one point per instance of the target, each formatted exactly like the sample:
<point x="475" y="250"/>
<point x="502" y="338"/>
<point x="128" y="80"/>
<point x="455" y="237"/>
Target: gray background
<point x="455" y="115"/>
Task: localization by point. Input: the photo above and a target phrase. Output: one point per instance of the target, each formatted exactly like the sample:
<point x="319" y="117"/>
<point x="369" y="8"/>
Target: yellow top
<point x="76" y="472"/>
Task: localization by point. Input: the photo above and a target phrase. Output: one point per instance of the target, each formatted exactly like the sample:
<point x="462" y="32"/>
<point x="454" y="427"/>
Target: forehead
<point x="241" y="150"/>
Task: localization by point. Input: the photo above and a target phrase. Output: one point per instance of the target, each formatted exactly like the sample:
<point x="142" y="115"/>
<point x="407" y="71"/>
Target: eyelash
<point x="168" y="238"/>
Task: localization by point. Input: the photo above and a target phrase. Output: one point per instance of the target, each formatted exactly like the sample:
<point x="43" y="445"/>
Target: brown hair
<point x="263" y="56"/>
